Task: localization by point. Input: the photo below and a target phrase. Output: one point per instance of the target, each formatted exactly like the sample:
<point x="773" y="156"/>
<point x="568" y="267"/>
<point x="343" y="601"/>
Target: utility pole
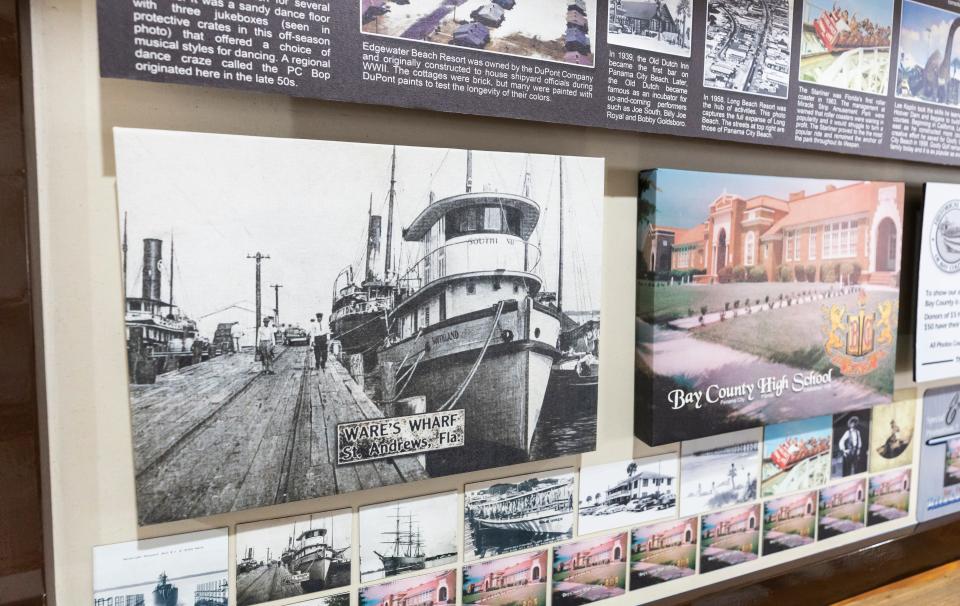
<point x="258" y="257"/>
<point x="276" y="302"/>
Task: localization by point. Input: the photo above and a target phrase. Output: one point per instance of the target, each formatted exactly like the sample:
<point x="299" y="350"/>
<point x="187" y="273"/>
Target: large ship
<point x="405" y="551"/>
<point x="165" y="594"/>
<point x="471" y="327"/>
<point x="543" y="510"/>
<point x="358" y="318"/>
<point x="311" y="560"/>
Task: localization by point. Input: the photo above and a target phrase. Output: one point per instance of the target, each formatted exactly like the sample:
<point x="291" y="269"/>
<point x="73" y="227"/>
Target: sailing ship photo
<point x="189" y="568"/>
<point x="517" y="513"/>
<point x="334" y="287"/>
<point x="404" y="536"/>
<point x="295" y="556"/>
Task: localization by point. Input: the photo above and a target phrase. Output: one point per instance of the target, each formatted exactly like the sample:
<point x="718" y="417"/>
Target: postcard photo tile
<point x="663" y="552"/>
<point x="590" y="570"/>
<point x="508" y="581"/>
<point x="762" y="300"/>
<point x="627" y="493"/>
<point x="719" y="471"/>
<point x="417" y="287"/>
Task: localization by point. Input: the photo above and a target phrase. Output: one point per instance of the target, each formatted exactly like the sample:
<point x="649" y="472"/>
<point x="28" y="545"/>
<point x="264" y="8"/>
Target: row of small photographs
<point x="597" y="567"/>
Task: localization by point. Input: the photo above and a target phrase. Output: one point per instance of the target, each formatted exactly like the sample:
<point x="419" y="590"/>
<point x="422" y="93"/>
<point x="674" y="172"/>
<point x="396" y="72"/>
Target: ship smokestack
<point x="373" y="246"/>
<point x="152" y="264"/>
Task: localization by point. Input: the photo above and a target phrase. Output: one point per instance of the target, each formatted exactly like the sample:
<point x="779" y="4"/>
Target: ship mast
<point x="171" y="272"/>
<point x="393" y="195"/>
<point x="366" y="269"/>
<point x="560" y="273"/>
<point x="469" y="186"/>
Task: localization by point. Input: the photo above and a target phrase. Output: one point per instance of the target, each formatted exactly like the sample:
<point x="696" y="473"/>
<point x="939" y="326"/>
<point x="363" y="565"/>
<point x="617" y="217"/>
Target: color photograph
<point x="663" y="552"/>
<point x="434" y="589"/>
<point x="510" y="581"/>
<point x="290" y="557"/>
<point x="796" y="456"/>
<point x="851" y="439"/>
<point x="762" y="300"/>
<point x="729" y="538"/>
<point x="719" y="471"/>
<point x="553" y="30"/>
<point x="659" y="26"/>
<point x="590" y="570"/>
<point x="889" y="496"/>
<point x="924" y="69"/>
<point x="403" y="536"/>
<point x="789" y="522"/>
<point x="951" y="467"/>
<point x="842" y="508"/>
<point x="891" y="440"/>
<point x="188" y="568"/>
<point x="626" y="493"/>
<point x="748" y="46"/>
<point x="517" y="513"/>
<point x="846" y="44"/>
<point x="286" y="298"/>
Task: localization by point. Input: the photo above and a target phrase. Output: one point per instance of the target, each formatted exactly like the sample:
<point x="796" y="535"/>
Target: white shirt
<point x="316" y="329"/>
<point x="236" y="331"/>
<point x="851" y="436"/>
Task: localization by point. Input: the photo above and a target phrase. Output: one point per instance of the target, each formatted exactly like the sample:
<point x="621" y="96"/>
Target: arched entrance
<point x="887" y="245"/>
<point x="617" y="553"/>
<point x="721" y="261"/>
<point x="536" y="573"/>
<point x="752" y="522"/>
<point x="442" y="594"/>
<point x="687" y="536"/>
<point x="809" y="508"/>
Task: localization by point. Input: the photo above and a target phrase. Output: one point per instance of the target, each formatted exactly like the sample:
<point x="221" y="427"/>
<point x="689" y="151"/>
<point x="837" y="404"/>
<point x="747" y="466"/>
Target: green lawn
<point x="670" y="555"/>
<point x="674" y="302"/>
<point x="741" y="541"/>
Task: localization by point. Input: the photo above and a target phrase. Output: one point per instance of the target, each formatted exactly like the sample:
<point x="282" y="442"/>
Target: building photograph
<point x="552" y="30"/>
<point x="889" y="497"/>
<point x="789" y="522"/>
<point x="743" y="280"/>
<point x="847" y="44"/>
<point x="891" y="439"/>
<point x="719" y="471"/>
<point x="659" y="26"/>
<point x="925" y="69"/>
<point x="796" y="456"/>
<point x="432" y="589"/>
<point x="951" y="464"/>
<point x="842" y="508"/>
<point x="625" y="493"/>
<point x="663" y="552"/>
<point x="590" y="570"/>
<point x="519" y="579"/>
<point x="517" y="513"/>
<point x="729" y="537"/>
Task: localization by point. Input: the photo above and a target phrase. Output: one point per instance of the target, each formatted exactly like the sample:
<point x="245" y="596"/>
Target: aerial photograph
<point x="748" y="46"/>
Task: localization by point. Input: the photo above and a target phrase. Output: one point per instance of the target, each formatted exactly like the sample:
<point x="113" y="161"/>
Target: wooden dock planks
<point x="221" y="436"/>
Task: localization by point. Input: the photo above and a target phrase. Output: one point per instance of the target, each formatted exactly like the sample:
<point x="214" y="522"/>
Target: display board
<point x="938" y="288"/>
<point x="871" y="77"/>
<point x="938" y="484"/>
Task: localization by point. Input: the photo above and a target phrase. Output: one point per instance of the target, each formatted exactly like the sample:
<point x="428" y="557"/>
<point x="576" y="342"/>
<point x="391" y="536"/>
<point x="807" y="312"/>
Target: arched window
<point x="750" y="249"/>
<point x="536" y="573"/>
<point x="442" y="594"/>
<point x="616" y="553"/>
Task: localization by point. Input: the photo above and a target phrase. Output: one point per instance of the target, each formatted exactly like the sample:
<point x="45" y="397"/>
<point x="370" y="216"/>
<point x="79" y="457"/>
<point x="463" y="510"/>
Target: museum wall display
<point x="939" y="475"/>
<point x="315" y="352"/>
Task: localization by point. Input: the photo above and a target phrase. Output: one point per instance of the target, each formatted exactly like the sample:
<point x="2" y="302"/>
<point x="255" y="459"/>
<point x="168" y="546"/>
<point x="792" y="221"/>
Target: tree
<point x="683" y="10"/>
<point x="632" y="468"/>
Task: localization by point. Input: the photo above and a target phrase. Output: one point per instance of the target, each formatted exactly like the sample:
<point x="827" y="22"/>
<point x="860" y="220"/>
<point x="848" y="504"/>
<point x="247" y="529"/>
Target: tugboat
<point x="406" y="547"/>
<point x="311" y="560"/>
<point x="469" y="328"/>
<point x="165" y="594"/>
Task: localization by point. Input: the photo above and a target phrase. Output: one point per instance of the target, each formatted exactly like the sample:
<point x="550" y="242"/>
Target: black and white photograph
<point x="188" y="568"/>
<point x="851" y="441"/>
<point x="516" y="513"/>
<point x="626" y="493"/>
<point x="291" y="557"/>
<point x="660" y="26"/>
<point x="748" y="46"/>
<point x="408" y="535"/>
<point x="719" y="471"/>
<point x="337" y="599"/>
<point x="288" y="299"/>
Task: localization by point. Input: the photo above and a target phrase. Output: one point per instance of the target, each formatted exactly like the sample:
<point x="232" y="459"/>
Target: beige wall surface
<point x="91" y="491"/>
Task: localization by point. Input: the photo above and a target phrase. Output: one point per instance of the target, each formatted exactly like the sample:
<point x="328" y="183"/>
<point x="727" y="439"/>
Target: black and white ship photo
<point x="627" y="493"/>
<point x="182" y="569"/>
<point x="409" y="535"/>
<point x="295" y="556"/>
<point x="308" y="318"/>
<point x="516" y="513"/>
<point x="748" y="46"/>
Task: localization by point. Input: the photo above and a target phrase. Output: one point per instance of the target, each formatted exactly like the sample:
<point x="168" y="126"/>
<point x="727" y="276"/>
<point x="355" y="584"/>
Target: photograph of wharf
<point x="476" y="320"/>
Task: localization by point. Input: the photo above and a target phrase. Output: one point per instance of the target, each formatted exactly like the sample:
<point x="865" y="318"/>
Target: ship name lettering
<point x="446" y="337"/>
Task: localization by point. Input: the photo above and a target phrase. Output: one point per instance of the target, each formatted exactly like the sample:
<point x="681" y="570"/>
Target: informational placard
<point x="869" y="77"/>
<point x="939" y="475"/>
<point x="938" y="285"/>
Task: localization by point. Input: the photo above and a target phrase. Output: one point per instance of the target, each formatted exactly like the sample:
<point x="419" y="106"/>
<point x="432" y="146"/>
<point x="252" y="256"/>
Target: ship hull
<point x="548" y="524"/>
<point x="503" y="398"/>
<point x="396" y="565"/>
<point x="359" y="332"/>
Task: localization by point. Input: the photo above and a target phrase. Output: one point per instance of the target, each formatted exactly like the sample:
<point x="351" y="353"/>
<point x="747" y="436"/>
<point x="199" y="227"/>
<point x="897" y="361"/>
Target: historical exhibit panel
<point x="889" y="496"/>
<point x="396" y="313"/>
<point x="789" y="522"/>
<point x="627" y="493"/>
<point x="590" y="570"/>
<point x="663" y="552"/>
<point x="404" y="536"/>
<point x="167" y="571"/>
<point x="519" y="579"/>
<point x="938" y="477"/>
<point x="719" y="471"/>
<point x="435" y="588"/>
<point x="517" y="513"/>
<point x="762" y="300"/>
<point x="730" y="537"/>
<point x="937" y="352"/>
<point x="842" y="76"/>
<point x="288" y="557"/>
<point x="842" y="508"/>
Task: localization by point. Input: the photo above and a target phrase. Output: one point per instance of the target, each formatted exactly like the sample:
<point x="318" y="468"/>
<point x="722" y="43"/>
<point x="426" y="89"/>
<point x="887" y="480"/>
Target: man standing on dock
<point x="266" y="345"/>
<point x="236" y="332"/>
<point x="319" y="338"/>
